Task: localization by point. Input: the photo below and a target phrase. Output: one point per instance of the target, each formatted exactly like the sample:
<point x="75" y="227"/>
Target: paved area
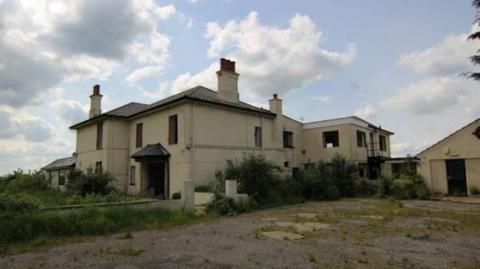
<point x="340" y="234"/>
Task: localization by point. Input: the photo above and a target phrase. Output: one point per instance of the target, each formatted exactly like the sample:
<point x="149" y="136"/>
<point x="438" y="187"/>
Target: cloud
<point x="270" y="59"/>
<point x="449" y="56"/>
<point x="367" y="112"/>
<point x="20" y="125"/>
<point x="46" y="43"/>
<point x="435" y="95"/>
<point x="322" y="99"/>
<point x="142" y="73"/>
<point x="70" y="111"/>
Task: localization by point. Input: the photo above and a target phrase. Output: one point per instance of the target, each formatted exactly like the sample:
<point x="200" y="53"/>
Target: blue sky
<point x="394" y="63"/>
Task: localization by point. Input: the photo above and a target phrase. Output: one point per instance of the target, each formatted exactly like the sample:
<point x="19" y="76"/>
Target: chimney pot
<point x="96" y="89"/>
<point x="227" y="65"/>
<point x="275" y="96"/>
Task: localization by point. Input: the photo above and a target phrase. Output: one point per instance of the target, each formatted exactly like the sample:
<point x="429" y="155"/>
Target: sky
<point x="393" y="63"/>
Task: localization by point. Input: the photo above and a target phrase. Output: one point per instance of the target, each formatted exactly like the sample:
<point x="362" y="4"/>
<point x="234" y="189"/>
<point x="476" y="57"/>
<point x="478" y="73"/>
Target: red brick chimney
<point x="227" y="81"/>
<point x="95" y="102"/>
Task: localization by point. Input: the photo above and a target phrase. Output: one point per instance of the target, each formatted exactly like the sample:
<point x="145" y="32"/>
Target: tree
<point x="475" y="36"/>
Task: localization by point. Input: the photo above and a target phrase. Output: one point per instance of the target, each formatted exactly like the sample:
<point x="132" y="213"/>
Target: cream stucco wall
<point x="315" y="151"/>
<point x="460" y="145"/>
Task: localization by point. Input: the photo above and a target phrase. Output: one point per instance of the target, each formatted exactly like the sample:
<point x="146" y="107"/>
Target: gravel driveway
<point x="350" y="234"/>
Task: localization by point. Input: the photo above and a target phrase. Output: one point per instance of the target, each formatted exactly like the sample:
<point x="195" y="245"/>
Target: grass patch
<point x="35" y="229"/>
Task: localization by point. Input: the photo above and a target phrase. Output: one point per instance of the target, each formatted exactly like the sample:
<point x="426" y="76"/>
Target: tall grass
<point x="28" y="227"/>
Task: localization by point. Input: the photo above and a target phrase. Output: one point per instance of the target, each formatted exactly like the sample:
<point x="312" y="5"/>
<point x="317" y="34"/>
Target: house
<point x="57" y="171"/>
<point x="452" y="165"/>
<point x="153" y="148"/>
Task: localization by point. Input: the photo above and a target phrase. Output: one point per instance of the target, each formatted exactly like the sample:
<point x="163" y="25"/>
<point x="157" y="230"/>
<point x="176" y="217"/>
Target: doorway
<point x="456" y="177"/>
<point x="156" y="179"/>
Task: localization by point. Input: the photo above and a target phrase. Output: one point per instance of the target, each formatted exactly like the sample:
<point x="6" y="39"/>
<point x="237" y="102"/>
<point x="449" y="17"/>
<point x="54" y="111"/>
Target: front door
<point x="456" y="177"/>
<point x="156" y="179"/>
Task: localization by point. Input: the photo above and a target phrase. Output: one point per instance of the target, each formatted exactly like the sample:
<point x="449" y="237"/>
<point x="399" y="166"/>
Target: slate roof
<point x="151" y="151"/>
<point x="60" y="163"/>
<point x="198" y="93"/>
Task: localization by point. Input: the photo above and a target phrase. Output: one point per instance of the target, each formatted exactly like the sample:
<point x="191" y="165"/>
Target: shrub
<point x="365" y="188"/>
<point x="204" y="188"/>
<point x="475" y="190"/>
<point x="318" y="183"/>
<point x="384" y="186"/>
<point x="227" y="206"/>
<point x="344" y="174"/>
<point x="407" y="186"/>
<point x="177" y="196"/>
<point x="256" y="177"/>
<point x="89" y="182"/>
<point x="21" y="181"/>
<point x="18" y="202"/>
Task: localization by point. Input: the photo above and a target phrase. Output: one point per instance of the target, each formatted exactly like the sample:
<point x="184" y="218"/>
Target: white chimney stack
<point x="95" y="102"/>
<point x="275" y="104"/>
<point x="227" y="81"/>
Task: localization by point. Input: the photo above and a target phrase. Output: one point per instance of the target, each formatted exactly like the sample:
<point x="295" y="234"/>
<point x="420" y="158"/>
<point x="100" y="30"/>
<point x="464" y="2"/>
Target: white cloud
<point x="17" y="124"/>
<point x="449" y="56"/>
<point x="322" y="99"/>
<point x="367" y="112"/>
<point x="53" y="42"/>
<point x="142" y="73"/>
<point x="435" y="95"/>
<point x="270" y="59"/>
<point x="70" y="111"/>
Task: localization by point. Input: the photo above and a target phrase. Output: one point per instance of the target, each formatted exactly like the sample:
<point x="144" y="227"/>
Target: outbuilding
<point x="452" y="165"/>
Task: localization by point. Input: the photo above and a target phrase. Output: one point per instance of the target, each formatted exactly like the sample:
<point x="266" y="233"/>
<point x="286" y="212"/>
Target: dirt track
<point x="361" y="234"/>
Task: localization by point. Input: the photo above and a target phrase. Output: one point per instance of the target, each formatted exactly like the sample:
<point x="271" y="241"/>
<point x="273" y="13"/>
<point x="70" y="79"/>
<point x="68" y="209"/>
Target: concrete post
<point x="188" y="196"/>
<point x="230" y="188"/>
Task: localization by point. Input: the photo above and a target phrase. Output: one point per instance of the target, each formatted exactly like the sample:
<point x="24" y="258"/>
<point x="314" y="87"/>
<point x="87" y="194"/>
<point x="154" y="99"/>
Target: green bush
<point x="19" y="181"/>
<point x="407" y="186"/>
<point x="344" y="174"/>
<point x="204" y="188"/>
<point x="18" y="202"/>
<point x="227" y="206"/>
<point x="177" y="196"/>
<point x="384" y="185"/>
<point x="365" y="188"/>
<point x="29" y="227"/>
<point x="475" y="190"/>
<point x="256" y="176"/>
<point x="89" y="182"/>
<point x="318" y="183"/>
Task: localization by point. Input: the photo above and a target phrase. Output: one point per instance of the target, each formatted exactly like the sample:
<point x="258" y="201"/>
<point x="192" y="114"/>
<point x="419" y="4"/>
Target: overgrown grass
<point x="34" y="229"/>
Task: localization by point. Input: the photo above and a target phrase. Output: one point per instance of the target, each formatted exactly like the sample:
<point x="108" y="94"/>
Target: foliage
<point x="26" y="228"/>
<point x="204" y="188"/>
<point x="227" y="206"/>
<point x="177" y="196"/>
<point x="405" y="187"/>
<point x="255" y="175"/>
<point x="21" y="181"/>
<point x="475" y="59"/>
<point x="344" y="175"/>
<point x="89" y="182"/>
<point x="475" y="190"/>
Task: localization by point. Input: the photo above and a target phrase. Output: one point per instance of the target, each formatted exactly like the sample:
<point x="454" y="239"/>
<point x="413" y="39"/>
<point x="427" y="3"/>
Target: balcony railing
<point x="374" y="150"/>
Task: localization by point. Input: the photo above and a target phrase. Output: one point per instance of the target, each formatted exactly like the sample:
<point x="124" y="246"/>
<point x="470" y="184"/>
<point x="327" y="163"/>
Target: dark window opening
<point x="132" y="175"/>
<point x="61" y="178"/>
<point x="99" y="135"/>
<point x="258" y="136"/>
<point x="295" y="172"/>
<point x="383" y="142"/>
<point x="139" y="138"/>
<point x="287" y="139"/>
<point x="285" y="164"/>
<point x="361" y="139"/>
<point x="173" y="129"/>
<point x="330" y="139"/>
<point x="362" y="170"/>
<point x="98" y="167"/>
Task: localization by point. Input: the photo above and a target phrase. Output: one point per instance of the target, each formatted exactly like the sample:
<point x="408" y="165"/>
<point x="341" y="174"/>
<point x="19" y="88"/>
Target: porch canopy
<point x="153" y="152"/>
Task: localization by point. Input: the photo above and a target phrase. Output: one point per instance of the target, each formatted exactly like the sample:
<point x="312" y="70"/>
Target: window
<point x="361" y="139"/>
<point x="172" y="130"/>
<point x="61" y="177"/>
<point x="287" y="139"/>
<point x="258" y="136"/>
<point x="383" y="142"/>
<point x="98" y="167"/>
<point x="139" y="139"/>
<point x="330" y="139"/>
<point x="285" y="164"/>
<point x="132" y="175"/>
<point x="362" y="170"/>
<point x="295" y="172"/>
<point x="99" y="135"/>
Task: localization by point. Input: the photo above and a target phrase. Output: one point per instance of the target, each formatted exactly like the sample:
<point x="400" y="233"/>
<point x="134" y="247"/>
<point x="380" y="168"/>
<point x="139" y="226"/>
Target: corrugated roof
<point x="198" y="93"/>
<point x="151" y="151"/>
<point x="60" y="163"/>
